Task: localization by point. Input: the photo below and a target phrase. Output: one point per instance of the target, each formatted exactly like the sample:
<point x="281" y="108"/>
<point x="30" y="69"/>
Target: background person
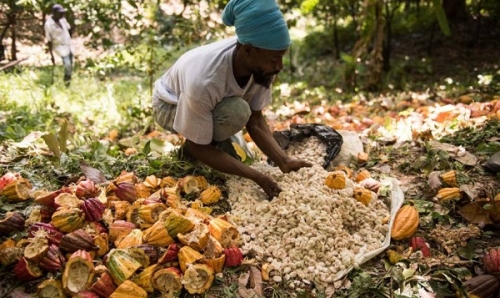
<point x="58" y="38"/>
<point x="214" y="91"/>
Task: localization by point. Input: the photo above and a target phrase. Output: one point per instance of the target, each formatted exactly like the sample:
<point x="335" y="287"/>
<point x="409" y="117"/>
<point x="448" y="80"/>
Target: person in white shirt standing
<point x="58" y="38"/>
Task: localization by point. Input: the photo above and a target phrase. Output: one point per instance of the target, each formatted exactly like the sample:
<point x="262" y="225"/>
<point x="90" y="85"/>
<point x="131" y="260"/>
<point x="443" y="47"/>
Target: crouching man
<point x="214" y="91"/>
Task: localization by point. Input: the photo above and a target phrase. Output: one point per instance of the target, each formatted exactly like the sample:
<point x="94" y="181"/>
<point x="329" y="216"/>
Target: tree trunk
<point x="376" y="58"/>
<point x="431" y="39"/>
<point x="13" y="52"/>
<point x="455" y="10"/>
<point x="335" y="32"/>
<point x="352" y="10"/>
<point x="11" y="20"/>
<point x="386" y="52"/>
<point x="477" y="33"/>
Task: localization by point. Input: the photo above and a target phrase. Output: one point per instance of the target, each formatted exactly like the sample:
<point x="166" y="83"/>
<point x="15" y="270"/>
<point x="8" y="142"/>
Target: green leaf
<point x="160" y="146"/>
<point x="63" y="136"/>
<point x="51" y="141"/>
<point x="467" y="252"/>
<point x="407" y="273"/>
<point x="308" y="5"/>
<point x="8" y="207"/>
<point x="131" y="141"/>
<point x="347" y="58"/>
<point x="147" y="148"/>
<point x="441" y="17"/>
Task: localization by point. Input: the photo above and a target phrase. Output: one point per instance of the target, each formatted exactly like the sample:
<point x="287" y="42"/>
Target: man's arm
<point x="222" y="162"/>
<point x="49" y="42"/>
<point x="49" y="47"/>
<point x="261" y="134"/>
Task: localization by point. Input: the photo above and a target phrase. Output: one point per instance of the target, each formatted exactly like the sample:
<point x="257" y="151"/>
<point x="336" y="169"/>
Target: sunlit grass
<point x="32" y="102"/>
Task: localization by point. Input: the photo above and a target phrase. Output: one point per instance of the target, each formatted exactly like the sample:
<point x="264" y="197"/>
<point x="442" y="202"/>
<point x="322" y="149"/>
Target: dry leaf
<point x="92" y="173"/>
<point x="474" y="213"/>
<point x="468" y="190"/>
<point x="459" y="153"/>
<point x="256" y="280"/>
<point x="255" y="290"/>
<point x="434" y="181"/>
<point x="424" y="294"/>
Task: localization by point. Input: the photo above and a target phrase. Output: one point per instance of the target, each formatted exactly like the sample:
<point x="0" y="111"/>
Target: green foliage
<point x="441" y="17"/>
<point x="481" y="140"/>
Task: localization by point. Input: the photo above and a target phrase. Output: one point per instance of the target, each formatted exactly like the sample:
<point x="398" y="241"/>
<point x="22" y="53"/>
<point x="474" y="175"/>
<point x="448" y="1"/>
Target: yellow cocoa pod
<point x="405" y="223"/>
<point x="157" y="235"/>
<point x="223" y="231"/>
<point x="210" y="195"/>
<point x="448" y="193"/>
<point x="134" y="238"/>
<point x="68" y="219"/>
<point x="362" y="175"/>
<point x="188" y="256"/>
<point x="198" y="278"/>
<point x="143" y="279"/>
<point x="449" y="178"/>
<point x="336" y="180"/>
<point x="176" y="223"/>
<point x="197" y="238"/>
<point x="345" y="169"/>
<point x="129" y="289"/>
<point x="50" y="288"/>
<point x="217" y="264"/>
<point x="363" y="195"/>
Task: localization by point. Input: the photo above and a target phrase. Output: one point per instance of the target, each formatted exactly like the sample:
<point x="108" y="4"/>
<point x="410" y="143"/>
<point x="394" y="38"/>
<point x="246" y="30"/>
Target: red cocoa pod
<point x="93" y="209"/>
<point x="126" y="191"/>
<point x="85" y="294"/>
<point x="170" y="254"/>
<point x="95" y="228"/>
<point x="119" y="229"/>
<point x="77" y="240"/>
<point x="54" y="235"/>
<point x="234" y="256"/>
<point x="491" y="261"/>
<point x="8" y="178"/>
<point x="46" y="213"/>
<point x="86" y="189"/>
<point x="418" y="243"/>
<point x="150" y="201"/>
<point x="151" y="251"/>
<point x="12" y="222"/>
<point x="486" y="285"/>
<point x="25" y="270"/>
<point x="53" y="259"/>
<point x="104" y="285"/>
<point x="47" y="199"/>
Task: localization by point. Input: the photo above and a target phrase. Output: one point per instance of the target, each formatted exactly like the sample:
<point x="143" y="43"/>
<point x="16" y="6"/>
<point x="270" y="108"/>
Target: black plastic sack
<point x="298" y="132"/>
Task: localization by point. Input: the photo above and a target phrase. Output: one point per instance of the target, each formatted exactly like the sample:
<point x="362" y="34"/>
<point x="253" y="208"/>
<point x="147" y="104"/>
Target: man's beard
<point x="264" y="79"/>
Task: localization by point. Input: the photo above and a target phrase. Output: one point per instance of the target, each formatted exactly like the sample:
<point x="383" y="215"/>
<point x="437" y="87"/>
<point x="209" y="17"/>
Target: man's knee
<point x="164" y="114"/>
<point x="230" y="116"/>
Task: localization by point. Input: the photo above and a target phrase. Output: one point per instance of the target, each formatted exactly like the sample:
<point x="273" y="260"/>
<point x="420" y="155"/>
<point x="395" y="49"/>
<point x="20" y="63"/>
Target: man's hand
<point x="292" y="164"/>
<point x="222" y="162"/>
<point x="269" y="186"/>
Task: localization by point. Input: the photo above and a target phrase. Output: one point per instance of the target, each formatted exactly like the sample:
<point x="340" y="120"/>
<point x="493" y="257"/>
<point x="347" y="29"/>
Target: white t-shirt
<point x="199" y="80"/>
<point x="58" y="35"/>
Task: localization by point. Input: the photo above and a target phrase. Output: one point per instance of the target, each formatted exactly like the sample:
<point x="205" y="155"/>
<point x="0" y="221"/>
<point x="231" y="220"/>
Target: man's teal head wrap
<point x="259" y="23"/>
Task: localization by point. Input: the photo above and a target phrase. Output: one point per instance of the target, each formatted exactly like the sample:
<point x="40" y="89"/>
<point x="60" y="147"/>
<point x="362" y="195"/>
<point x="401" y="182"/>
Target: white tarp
<point x="396" y="201"/>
